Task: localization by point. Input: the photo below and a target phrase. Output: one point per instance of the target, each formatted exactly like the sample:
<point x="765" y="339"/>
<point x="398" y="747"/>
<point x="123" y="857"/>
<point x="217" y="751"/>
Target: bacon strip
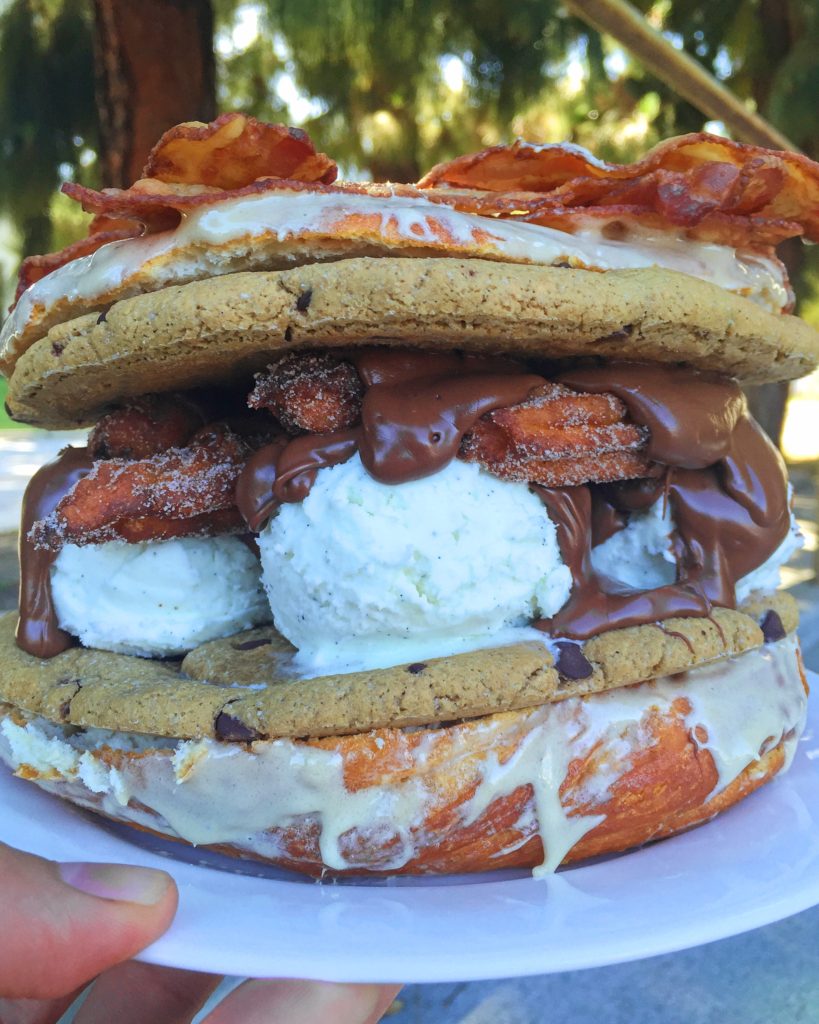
<point x="235" y="150"/>
<point x="34" y="268"/>
<point x="683" y="179"/>
<point x="710" y="188"/>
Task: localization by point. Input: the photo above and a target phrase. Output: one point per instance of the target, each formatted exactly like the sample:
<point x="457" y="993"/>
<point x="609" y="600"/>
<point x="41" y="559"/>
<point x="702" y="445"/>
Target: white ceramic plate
<point x="755" y="864"/>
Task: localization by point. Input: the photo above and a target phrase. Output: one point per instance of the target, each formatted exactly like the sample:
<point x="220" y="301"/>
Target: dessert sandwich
<point x="420" y="528"/>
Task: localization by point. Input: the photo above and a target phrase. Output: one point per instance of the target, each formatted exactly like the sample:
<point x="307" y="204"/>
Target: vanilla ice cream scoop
<point x="641" y="556"/>
<point x="157" y="598"/>
<point x="366" y="575"/>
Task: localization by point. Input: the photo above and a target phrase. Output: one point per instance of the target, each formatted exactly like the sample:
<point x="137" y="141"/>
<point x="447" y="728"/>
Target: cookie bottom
<point x="535" y="788"/>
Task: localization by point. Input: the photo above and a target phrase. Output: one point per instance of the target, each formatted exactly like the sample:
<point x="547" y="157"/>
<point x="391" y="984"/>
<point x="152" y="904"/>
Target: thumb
<point x="62" y="924"/>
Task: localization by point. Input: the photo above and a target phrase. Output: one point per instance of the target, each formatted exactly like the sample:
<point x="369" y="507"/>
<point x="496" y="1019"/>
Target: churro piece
<point x="314" y="392"/>
<point x="145" y="426"/>
<point x="207" y="524"/>
<point x="178" y="484"/>
<point x="559" y="438"/>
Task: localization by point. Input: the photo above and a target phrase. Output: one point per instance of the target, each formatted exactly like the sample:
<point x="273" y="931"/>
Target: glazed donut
<point x="536" y="788"/>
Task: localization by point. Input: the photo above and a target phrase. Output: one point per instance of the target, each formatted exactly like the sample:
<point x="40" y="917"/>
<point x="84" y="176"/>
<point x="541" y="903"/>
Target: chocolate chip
<point x="65" y="706"/>
<point x="57" y="348"/>
<point x="772" y="628"/>
<point x="229" y="728"/>
<point x="416" y="667"/>
<point x="620" y="335"/>
<point x="251" y="645"/>
<point x="288" y="333"/>
<point x="615" y="230"/>
<point x="102" y="317"/>
<point x="571" y="661"/>
<point x="304" y="300"/>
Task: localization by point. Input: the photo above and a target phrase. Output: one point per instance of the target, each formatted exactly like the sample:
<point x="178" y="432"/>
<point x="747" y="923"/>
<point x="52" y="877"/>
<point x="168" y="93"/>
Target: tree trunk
<point x="155" y="68"/>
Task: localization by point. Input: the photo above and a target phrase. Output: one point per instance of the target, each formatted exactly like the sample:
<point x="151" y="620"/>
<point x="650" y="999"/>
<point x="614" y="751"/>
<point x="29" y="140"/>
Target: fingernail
<point x="116" y="881"/>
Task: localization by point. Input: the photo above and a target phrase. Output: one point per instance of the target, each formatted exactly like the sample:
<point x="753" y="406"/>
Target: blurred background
<point x="388" y="88"/>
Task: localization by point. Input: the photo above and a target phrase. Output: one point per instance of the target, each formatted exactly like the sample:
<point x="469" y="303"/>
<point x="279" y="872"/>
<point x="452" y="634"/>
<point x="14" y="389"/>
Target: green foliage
<point x="6" y="423"/>
<point x="47" y="116"/>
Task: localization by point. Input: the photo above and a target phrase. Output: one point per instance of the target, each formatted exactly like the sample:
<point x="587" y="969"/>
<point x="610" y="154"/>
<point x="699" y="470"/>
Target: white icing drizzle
<point x="541" y="761"/>
<point x="209" y="792"/>
<point x="277" y="229"/>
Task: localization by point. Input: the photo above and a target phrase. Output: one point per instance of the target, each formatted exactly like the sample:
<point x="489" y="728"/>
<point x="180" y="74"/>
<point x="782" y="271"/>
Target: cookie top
<point x="222" y="330"/>
<point x="292" y="224"/>
<point x="238" y="688"/>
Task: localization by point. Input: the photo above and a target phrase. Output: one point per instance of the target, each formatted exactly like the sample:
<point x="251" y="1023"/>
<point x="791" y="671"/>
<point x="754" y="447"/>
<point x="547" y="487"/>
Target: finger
<point x="303" y="1002"/>
<point x="135" y="993"/>
<point x="34" y="1011"/>
<point x="65" y="923"/>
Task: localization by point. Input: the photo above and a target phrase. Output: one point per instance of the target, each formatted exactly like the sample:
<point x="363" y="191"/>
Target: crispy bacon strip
<point x="190" y="162"/>
<point x="195" y="164"/>
<point x="313" y="392"/>
<point x="179" y="484"/>
<point x="710" y="188"/>
<point x="559" y="438"/>
<point x="145" y="426"/>
<point x="235" y="150"/>
<point x="686" y="177"/>
<point x="159" y="206"/>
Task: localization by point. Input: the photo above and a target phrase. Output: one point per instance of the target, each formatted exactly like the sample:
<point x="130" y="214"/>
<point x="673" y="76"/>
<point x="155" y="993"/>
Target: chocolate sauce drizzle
<point x="415" y="412"/>
<point x="38" y="632"/>
<point x="725" y="482"/>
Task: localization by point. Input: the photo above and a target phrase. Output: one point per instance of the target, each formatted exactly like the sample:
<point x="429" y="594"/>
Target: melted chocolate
<point x="606" y="520"/>
<point x="415" y="412"/>
<point x="38" y="632"/>
<point x="401" y="365"/>
<point x="691" y="415"/>
<point x="724" y="480"/>
<point x="730" y="514"/>
<point x="414" y="429"/>
<point x="596" y="603"/>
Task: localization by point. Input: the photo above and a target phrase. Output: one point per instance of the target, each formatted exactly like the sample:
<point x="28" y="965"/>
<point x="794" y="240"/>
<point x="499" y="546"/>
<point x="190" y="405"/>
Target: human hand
<point x="61" y="925"/>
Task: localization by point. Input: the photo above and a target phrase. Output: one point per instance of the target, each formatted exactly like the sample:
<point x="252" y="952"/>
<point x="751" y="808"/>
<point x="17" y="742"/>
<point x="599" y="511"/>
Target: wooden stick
<point x="676" y="68"/>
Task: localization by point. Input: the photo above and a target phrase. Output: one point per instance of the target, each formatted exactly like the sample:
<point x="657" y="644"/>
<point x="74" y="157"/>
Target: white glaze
<point x="264" y="232"/>
<point x="208" y="792"/>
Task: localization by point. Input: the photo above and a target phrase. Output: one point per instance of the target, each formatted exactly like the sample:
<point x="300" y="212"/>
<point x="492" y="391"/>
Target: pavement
<point x="768" y="976"/>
